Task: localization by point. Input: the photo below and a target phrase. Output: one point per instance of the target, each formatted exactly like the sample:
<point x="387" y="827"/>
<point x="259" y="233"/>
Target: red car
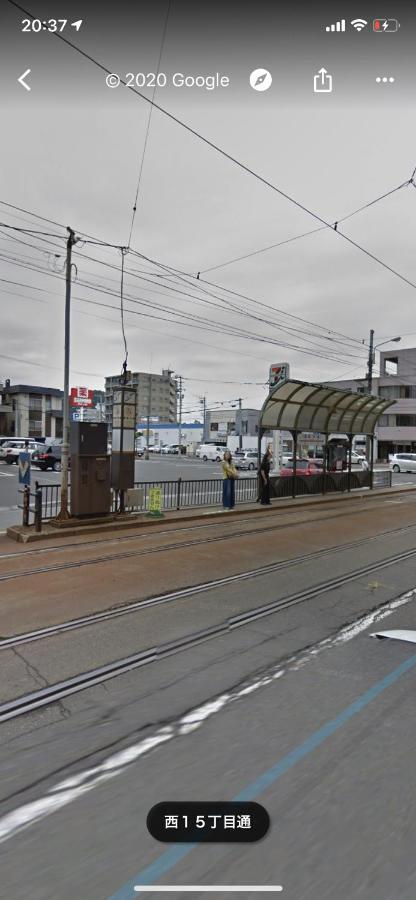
<point x="303" y="467"/>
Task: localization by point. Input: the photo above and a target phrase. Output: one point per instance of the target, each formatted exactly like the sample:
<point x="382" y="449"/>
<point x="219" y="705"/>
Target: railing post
<point x="178" y="494"/>
<point x="26" y="505"/>
<point x="38" y="507"/>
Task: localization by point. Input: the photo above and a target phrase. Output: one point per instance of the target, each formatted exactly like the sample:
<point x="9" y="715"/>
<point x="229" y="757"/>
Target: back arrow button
<point x="21" y="80"/>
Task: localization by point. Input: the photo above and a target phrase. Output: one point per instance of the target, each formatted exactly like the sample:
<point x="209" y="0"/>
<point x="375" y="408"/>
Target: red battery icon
<point x="385" y="25"/>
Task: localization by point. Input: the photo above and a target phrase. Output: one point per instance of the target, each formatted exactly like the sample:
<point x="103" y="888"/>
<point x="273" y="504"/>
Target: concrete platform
<point x="75" y="527"/>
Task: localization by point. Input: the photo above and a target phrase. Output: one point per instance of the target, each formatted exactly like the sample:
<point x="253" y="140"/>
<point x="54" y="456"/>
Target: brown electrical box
<point x="90" y="485"/>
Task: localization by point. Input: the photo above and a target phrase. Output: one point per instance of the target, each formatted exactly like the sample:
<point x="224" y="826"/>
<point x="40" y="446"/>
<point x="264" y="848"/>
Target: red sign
<point x="81" y="396"/>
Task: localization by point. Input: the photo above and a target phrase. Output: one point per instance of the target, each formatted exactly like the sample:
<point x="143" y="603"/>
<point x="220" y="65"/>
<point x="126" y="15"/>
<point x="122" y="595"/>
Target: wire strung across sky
<point x="162" y="43"/>
<point x="241" y="311"/>
<point x="185" y="276"/>
<point x="226" y="155"/>
<point x="179" y="317"/>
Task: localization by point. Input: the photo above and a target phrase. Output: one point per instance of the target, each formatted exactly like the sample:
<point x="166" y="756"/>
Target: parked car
<point x="357" y="458"/>
<point x="139" y="451"/>
<point x="9" y="451"/>
<point x="48" y="456"/>
<point x="303" y="467"/>
<point x="214" y="452"/>
<point x="403" y="462"/>
<point x="248" y="461"/>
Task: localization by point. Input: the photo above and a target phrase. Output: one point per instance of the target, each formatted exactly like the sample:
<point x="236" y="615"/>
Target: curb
<point x="17" y="532"/>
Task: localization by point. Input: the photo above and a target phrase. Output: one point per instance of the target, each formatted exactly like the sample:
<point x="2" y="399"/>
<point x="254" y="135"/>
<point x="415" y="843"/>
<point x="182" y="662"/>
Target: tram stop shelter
<point x="299" y="406"/>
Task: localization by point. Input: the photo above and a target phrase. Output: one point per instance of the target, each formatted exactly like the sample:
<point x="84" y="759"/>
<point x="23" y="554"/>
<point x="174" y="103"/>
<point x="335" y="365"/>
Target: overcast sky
<point x="71" y="152"/>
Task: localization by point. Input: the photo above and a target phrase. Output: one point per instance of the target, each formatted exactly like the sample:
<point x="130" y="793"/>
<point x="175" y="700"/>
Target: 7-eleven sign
<point x="278" y="373"/>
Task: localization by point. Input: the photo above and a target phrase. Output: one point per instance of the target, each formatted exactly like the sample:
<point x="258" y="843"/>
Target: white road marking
<point x="75" y="786"/>
<point x="8" y="474"/>
<point x="212" y="888"/>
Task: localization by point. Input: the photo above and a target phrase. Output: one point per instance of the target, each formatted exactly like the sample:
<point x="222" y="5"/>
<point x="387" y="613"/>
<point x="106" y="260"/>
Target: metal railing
<point x="187" y="493"/>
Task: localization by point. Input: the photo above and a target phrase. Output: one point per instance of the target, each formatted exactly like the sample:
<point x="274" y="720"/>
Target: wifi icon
<point x="359" y="24"/>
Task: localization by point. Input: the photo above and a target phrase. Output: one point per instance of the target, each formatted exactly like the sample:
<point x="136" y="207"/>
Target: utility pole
<point x="179" y="380"/>
<point x="370" y="362"/>
<point x="149" y="409"/>
<point x="203" y="400"/>
<point x="63" y="512"/>
<point x="240" y="425"/>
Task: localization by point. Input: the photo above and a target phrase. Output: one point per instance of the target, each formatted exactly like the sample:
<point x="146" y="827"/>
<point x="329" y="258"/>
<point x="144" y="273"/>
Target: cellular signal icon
<point x="337" y="26"/>
<point x="359" y="24"/>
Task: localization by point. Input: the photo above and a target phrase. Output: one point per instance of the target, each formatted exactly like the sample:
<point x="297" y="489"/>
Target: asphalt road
<point x="311" y="718"/>
<point x="145" y="470"/>
<point x="158" y="468"/>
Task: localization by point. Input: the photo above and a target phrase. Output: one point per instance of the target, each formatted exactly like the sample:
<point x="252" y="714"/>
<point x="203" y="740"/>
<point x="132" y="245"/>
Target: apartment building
<point x="156" y="395"/>
<point x="28" y="410"/>
<point x="396" y="429"/>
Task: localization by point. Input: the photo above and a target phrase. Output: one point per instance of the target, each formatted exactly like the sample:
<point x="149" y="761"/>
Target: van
<point x="213" y="452"/>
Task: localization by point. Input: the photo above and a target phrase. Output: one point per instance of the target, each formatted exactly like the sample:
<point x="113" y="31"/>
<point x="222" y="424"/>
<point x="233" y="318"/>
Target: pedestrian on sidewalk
<point x="228" y="486"/>
<point x="264" y="478"/>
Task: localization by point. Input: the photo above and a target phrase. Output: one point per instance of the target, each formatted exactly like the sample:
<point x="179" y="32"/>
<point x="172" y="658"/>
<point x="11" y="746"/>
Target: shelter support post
<point x="349" y="461"/>
<point x="260" y="435"/>
<point x="295" y="453"/>
<point x="371" y="461"/>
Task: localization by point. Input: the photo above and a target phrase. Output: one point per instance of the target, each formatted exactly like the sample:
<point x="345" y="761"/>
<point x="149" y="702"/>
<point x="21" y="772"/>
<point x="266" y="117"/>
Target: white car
<point x="212" y="452"/>
<point x="9" y="451"/>
<point x="357" y="457"/>
<point x="403" y="462"/>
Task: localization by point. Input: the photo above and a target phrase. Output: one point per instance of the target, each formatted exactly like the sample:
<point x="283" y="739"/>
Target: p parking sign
<point x="24" y="468"/>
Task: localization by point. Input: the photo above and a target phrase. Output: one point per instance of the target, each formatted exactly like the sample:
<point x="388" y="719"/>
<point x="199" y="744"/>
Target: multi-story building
<point x="156" y="395"/>
<point x="222" y="423"/>
<point x="30" y="411"/>
<point x="396" y="430"/>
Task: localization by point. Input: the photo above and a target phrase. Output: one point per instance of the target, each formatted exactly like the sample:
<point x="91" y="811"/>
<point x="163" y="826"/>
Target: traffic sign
<point x="24" y="468"/>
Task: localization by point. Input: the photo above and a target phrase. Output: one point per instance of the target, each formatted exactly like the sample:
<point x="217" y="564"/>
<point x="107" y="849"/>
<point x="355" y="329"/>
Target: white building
<point x="31" y="411"/>
<point x="396" y="430"/>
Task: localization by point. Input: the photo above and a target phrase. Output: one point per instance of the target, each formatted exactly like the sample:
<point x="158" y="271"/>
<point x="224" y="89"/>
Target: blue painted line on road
<point x="171" y="857"/>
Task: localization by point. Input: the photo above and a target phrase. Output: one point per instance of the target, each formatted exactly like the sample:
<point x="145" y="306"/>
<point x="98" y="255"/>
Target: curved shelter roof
<point x="301" y="406"/>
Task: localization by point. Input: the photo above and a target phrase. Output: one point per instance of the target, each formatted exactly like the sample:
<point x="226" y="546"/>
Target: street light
<point x="371" y="356"/>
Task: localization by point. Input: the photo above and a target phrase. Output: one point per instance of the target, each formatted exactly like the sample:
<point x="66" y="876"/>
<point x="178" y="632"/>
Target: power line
<point x="298" y="237"/>
<point x="183" y="276"/>
<point x="189" y="319"/>
<point x="162" y="43"/>
<point x="123" y="253"/>
<point x="227" y="155"/>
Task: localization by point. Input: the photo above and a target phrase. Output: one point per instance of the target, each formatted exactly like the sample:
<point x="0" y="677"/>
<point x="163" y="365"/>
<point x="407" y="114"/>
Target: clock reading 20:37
<point x="49" y="24"/>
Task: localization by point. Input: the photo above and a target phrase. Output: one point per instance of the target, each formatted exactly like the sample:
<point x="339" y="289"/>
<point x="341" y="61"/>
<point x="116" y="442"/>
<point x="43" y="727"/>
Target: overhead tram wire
<point x="227" y="155"/>
<point x="183" y="276"/>
<point x="181" y="314"/>
<point x="126" y="352"/>
<point x="162" y="44"/>
<point x="298" y="237"/>
<point x="181" y="319"/>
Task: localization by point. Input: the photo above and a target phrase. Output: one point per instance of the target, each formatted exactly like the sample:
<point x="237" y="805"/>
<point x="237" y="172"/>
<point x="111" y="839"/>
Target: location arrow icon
<point x="21" y="80"/>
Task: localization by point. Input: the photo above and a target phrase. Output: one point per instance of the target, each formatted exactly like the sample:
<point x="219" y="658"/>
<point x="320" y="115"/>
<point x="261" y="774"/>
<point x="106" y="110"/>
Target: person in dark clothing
<point x="265" y="478"/>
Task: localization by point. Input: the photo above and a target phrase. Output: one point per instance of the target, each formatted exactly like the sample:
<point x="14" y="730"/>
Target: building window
<point x="406" y="421"/>
<point x="213" y="426"/>
<point x="35" y="401"/>
<point x="391" y="365"/>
